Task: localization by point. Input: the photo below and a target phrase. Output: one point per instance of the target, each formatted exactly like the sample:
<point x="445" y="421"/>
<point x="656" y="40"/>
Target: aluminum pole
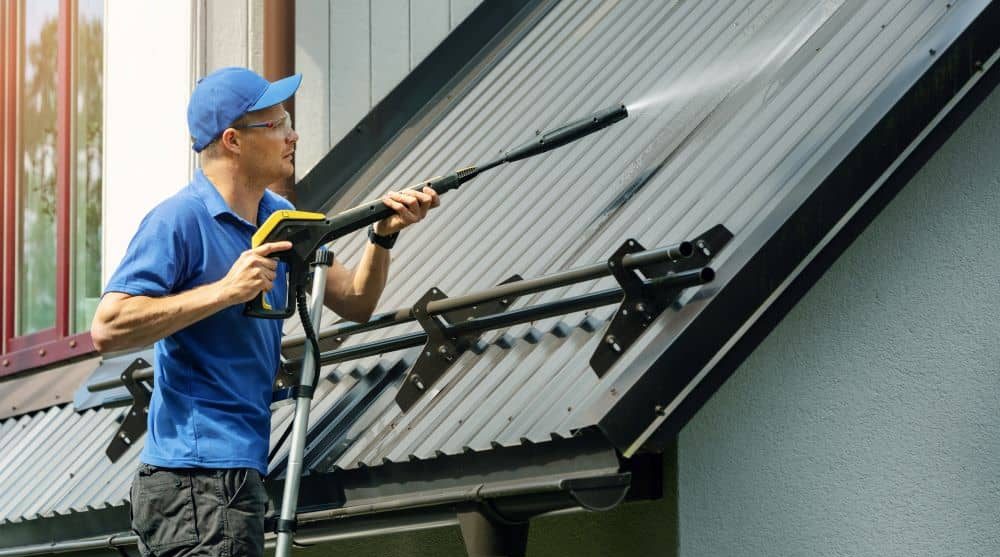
<point x="290" y="498"/>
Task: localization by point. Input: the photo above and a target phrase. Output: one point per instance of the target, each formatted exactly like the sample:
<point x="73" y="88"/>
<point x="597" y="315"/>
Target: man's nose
<point x="293" y="136"/>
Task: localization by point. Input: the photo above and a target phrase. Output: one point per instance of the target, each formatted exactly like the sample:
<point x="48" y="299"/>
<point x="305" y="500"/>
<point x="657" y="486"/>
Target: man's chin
<point x="287" y="169"/>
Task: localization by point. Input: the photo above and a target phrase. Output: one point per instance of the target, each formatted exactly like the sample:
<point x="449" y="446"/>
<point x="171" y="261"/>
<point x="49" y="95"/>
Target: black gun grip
<point x="258" y="307"/>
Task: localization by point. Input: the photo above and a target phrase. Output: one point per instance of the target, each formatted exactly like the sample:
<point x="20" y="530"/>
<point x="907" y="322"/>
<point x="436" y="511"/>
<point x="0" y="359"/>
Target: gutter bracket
<point x="599" y="494"/>
<point x="134" y="424"/>
<point x="641" y="303"/>
<point x="442" y="349"/>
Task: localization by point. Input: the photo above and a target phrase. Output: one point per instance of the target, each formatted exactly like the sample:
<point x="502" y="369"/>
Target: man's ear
<point x="230" y="141"/>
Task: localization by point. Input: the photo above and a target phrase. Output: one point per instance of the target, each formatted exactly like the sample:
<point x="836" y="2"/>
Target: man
<point x="182" y="284"/>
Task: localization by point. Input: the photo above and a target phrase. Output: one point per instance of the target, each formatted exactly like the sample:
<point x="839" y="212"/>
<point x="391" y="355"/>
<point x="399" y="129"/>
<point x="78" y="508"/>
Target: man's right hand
<point x="252" y="273"/>
<point x="122" y="321"/>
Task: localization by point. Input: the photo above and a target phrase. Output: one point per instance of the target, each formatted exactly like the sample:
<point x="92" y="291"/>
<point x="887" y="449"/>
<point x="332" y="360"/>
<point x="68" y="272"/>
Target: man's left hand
<point x="411" y="206"/>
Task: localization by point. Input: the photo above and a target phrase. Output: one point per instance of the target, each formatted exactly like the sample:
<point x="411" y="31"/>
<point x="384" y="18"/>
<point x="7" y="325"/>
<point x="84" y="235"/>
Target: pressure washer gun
<point x="308" y="231"/>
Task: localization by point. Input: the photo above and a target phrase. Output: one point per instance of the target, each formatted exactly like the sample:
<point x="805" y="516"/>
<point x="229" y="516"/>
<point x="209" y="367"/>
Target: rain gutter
<point x="328" y="526"/>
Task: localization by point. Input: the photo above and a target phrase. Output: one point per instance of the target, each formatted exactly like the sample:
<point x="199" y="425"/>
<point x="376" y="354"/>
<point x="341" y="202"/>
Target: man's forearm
<point x="371" y="276"/>
<point x="124" y="321"/>
<point x="138" y="321"/>
<point x="354" y="294"/>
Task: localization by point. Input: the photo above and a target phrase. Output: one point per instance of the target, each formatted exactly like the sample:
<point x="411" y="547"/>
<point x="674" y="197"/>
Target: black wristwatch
<point x="383" y="241"/>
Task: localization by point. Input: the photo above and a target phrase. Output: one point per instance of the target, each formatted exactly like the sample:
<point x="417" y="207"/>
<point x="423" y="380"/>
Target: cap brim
<point x="277" y="92"/>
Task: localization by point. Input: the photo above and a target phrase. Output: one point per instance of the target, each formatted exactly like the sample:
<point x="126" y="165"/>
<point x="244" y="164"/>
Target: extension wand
<point x="308" y="231"/>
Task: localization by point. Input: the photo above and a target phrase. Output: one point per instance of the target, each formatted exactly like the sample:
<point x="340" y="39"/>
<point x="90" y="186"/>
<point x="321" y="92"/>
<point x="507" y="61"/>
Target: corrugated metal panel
<point x="53" y="463"/>
<point x="735" y="152"/>
<point x="501" y="397"/>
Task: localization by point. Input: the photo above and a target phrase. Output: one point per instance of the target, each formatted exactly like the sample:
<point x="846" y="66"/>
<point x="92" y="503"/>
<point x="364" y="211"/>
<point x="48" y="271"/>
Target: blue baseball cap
<point x="224" y="95"/>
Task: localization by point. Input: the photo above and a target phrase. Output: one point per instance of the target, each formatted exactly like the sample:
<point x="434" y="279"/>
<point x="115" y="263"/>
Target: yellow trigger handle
<point x="274" y="229"/>
<point x="272" y="222"/>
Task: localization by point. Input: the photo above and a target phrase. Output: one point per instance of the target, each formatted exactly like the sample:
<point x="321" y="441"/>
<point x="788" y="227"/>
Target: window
<point x="52" y="145"/>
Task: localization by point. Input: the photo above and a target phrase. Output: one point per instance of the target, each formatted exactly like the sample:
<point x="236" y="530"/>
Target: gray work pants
<point x="195" y="512"/>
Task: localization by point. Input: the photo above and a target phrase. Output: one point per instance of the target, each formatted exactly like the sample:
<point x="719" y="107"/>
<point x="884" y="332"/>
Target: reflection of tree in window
<point x="38" y="188"/>
<point x="89" y="58"/>
<point x="37" y="264"/>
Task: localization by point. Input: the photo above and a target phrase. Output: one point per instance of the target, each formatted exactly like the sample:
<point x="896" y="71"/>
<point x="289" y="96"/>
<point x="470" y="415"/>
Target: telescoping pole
<point x="303" y="399"/>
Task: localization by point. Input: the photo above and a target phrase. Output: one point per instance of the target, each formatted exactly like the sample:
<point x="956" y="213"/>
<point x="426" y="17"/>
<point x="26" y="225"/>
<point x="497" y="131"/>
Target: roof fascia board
<point x="359" y="488"/>
<point x="64" y="528"/>
<point x="36" y="390"/>
<point x="421" y="99"/>
<point x="676" y="375"/>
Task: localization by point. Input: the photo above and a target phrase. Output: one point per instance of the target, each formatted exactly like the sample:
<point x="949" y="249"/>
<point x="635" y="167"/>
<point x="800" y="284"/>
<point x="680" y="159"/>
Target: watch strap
<point x="382" y="241"/>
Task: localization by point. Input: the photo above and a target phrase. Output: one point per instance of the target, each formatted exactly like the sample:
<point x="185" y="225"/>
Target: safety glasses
<point x="283" y="124"/>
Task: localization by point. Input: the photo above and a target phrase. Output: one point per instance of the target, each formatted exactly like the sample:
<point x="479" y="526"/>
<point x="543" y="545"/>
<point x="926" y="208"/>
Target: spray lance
<point x="309" y="232"/>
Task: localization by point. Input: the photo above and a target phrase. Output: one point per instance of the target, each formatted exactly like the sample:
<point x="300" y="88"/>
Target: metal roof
<point x="52" y="463"/>
<point x="521" y="390"/>
<point x="743" y="151"/>
<point x="759" y="95"/>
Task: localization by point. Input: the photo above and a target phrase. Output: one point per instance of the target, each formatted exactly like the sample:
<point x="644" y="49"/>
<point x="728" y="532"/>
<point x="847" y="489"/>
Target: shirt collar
<point x="210" y="196"/>
<point x="270" y="203"/>
<point x="216" y="205"/>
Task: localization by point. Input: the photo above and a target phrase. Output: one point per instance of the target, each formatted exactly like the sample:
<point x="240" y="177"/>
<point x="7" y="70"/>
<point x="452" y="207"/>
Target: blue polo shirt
<point x="211" y="402"/>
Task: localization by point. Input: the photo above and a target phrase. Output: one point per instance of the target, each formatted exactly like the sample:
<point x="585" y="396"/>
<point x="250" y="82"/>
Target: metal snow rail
<point x="650" y="281"/>
<point x="503" y="291"/>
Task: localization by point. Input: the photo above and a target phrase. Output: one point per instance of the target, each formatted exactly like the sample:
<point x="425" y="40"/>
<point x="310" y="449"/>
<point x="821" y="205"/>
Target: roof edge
<point x="582" y="472"/>
<point x="39" y="390"/>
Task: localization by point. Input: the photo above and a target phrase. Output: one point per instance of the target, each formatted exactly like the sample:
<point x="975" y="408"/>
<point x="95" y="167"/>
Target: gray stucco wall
<point x="868" y="422"/>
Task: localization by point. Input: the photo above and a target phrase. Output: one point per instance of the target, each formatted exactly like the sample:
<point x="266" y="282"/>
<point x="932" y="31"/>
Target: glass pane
<point x="89" y="67"/>
<point x="36" y="188"/>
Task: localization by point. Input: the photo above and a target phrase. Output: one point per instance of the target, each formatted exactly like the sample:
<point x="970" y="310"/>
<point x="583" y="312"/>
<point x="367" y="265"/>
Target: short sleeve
<point x="156" y="258"/>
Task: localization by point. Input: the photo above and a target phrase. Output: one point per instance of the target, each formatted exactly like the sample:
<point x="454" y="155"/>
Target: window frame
<point x="55" y="344"/>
